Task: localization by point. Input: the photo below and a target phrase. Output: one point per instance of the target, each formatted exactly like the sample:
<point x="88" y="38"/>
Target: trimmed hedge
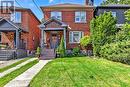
<point x="118" y="52"/>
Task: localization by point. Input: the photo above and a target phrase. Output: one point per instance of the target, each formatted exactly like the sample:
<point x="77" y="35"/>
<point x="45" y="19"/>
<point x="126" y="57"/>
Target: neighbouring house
<point x="71" y="21"/>
<point x="117" y="10"/>
<point x="19" y="32"/>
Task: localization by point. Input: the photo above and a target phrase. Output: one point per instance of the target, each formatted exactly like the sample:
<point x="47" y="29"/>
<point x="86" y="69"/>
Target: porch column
<point x="42" y="38"/>
<point x="65" y="37"/>
<point x="17" y="39"/>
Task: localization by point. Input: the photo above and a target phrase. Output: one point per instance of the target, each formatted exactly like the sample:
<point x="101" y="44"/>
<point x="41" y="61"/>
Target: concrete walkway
<point x="16" y="67"/>
<point x="24" y="79"/>
<point x="9" y="62"/>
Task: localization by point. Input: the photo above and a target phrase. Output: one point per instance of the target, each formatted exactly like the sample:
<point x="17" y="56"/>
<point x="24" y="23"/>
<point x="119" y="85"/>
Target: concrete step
<point x="4" y="58"/>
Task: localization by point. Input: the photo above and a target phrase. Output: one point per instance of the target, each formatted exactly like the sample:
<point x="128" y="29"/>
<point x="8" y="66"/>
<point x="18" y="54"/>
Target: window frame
<point x="80" y="15"/>
<point x="14" y="17"/>
<point x="71" y="38"/>
<point x="56" y="14"/>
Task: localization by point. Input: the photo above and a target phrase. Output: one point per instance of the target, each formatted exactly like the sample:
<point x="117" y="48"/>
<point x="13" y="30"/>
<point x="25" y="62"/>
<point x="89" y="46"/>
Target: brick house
<point x="71" y="21"/>
<point x="18" y="30"/>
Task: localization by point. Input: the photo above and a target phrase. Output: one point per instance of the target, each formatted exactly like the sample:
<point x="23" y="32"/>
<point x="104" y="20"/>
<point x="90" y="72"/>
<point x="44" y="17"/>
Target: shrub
<point x="119" y="52"/>
<point x="61" y="49"/>
<point x="102" y="27"/>
<point x="85" y="41"/>
<point x="76" y="51"/>
<point x="38" y="50"/>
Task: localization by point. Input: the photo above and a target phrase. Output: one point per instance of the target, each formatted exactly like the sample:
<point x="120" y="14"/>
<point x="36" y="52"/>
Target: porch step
<point x="48" y="54"/>
<point x="6" y="54"/>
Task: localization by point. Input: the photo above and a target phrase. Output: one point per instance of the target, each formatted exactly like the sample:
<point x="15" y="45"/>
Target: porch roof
<point x="53" y="19"/>
<point x="11" y="26"/>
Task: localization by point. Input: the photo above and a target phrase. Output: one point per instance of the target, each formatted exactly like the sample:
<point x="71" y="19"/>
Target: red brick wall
<point x="68" y="16"/>
<point x="29" y="23"/>
<point x="34" y="33"/>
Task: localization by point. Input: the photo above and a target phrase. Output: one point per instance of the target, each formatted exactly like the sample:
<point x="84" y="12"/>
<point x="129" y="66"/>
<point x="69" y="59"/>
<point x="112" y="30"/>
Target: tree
<point x="107" y="2"/>
<point x="38" y="52"/>
<point x="61" y="49"/>
<point x="102" y="28"/>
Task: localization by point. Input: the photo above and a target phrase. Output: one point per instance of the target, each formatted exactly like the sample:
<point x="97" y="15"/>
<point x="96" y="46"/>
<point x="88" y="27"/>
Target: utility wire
<point x="18" y="3"/>
<point x="37" y="6"/>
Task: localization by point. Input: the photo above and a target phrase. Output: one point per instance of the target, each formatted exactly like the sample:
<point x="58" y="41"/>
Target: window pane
<point x="12" y="17"/>
<point x="76" y="37"/>
<point x="18" y="17"/>
<point x="56" y="15"/>
<point x="80" y="16"/>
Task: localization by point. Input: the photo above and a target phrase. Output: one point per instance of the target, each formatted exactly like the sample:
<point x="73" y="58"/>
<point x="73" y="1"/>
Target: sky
<point x="37" y="11"/>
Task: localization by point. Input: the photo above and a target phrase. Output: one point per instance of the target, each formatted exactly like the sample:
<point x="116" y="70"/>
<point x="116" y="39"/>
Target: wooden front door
<point x="54" y="41"/>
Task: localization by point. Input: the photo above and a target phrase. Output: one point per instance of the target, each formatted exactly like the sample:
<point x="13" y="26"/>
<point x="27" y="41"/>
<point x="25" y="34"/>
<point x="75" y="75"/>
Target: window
<point x="56" y="15"/>
<point x="16" y="17"/>
<point x="75" y="36"/>
<point x="114" y="14"/>
<point x="80" y="17"/>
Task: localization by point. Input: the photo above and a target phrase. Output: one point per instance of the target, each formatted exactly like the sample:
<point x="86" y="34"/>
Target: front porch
<point x="52" y="31"/>
<point x="11" y="41"/>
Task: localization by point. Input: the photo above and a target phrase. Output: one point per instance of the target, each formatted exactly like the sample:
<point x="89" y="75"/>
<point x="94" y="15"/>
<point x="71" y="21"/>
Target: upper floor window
<point x="80" y="17"/>
<point x="57" y="15"/>
<point x="114" y="14"/>
<point x="16" y="17"/>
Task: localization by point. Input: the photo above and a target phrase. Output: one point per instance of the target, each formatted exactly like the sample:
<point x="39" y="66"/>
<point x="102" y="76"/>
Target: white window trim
<point x="72" y="37"/>
<point x="57" y="12"/>
<point x="80" y="16"/>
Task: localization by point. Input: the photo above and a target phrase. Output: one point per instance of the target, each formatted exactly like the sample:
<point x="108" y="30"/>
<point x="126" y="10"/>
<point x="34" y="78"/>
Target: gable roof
<point x="67" y="5"/>
<point x="53" y="19"/>
<point x="13" y="24"/>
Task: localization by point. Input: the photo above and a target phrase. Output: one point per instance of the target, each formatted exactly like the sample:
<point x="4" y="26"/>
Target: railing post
<point x="42" y="39"/>
<point x="65" y="37"/>
<point x="17" y="39"/>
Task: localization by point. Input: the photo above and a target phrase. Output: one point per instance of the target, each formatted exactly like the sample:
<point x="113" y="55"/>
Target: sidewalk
<point x="24" y="79"/>
<point x="16" y="67"/>
<point x="9" y="62"/>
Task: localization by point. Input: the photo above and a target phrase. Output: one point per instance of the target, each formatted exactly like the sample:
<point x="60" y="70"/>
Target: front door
<point x="54" y="41"/>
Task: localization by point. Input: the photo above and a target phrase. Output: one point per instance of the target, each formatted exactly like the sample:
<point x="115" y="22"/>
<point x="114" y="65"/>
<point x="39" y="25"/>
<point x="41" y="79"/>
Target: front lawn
<point x="83" y="72"/>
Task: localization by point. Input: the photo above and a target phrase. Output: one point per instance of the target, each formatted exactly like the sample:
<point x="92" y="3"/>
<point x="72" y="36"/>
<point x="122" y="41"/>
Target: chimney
<point x="89" y="2"/>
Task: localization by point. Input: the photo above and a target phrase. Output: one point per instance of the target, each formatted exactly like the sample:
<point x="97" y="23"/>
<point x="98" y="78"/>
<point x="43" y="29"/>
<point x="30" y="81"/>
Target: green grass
<point x="13" y="65"/>
<point x="4" y="80"/>
<point x="83" y="72"/>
